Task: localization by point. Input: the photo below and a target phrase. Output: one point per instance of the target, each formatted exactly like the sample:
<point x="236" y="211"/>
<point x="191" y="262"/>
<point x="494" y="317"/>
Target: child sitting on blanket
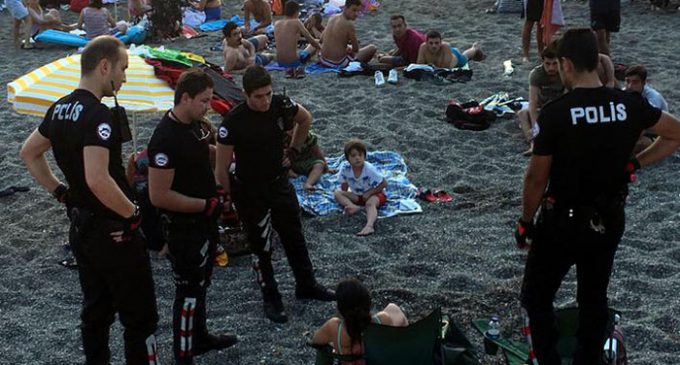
<point x="362" y="185"/>
<point x="96" y="20"/>
<point x="308" y="161"/>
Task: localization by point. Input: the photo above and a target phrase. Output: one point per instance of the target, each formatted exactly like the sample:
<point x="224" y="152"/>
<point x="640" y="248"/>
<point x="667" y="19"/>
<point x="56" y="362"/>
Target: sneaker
<point x="379" y="78"/>
<point x="393" y="78"/>
<point x="273" y="309"/>
<point x="316" y="292"/>
<point x="214" y="342"/>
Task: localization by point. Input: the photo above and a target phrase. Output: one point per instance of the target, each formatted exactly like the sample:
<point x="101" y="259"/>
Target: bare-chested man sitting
<point x="261" y="12"/>
<point x="240" y="53"/>
<point x="338" y="34"/>
<point x="287" y="31"/>
<point x="211" y="8"/>
<point x="441" y="55"/>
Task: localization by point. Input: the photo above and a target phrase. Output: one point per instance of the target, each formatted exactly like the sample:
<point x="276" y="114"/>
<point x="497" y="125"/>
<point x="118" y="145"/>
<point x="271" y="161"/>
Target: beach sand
<point x="459" y="256"/>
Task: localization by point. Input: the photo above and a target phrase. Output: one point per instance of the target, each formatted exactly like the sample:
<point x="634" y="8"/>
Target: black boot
<point x="315" y="291"/>
<point x="211" y="342"/>
<point x="273" y="307"/>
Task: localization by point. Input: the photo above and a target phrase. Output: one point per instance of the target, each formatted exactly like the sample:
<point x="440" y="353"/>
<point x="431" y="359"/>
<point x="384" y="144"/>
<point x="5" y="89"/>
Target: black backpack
<point x="470" y="116"/>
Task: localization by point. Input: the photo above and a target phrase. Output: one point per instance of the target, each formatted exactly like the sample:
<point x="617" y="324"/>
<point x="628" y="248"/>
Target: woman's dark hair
<point x="580" y="47"/>
<point x="354" y="144"/>
<point x="255" y="77"/>
<point x="97" y="4"/>
<point x="354" y="305"/>
<point x="193" y="82"/>
<point x="349" y="3"/>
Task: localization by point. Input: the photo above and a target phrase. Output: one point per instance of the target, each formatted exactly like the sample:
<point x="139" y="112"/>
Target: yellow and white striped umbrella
<point x="36" y="91"/>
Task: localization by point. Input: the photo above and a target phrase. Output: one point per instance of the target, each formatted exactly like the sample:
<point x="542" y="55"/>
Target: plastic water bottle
<point x="494" y="331"/>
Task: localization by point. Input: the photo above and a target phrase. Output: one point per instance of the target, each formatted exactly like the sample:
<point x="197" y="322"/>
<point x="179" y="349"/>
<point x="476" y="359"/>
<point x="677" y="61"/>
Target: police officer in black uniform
<point x="254" y="132"/>
<point x="582" y="154"/>
<point x="182" y="185"/>
<point x="113" y="264"/>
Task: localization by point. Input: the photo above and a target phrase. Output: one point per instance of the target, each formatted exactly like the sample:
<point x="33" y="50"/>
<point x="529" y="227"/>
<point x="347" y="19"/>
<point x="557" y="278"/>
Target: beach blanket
<point x="312" y="69"/>
<point x="401" y="194"/>
<point x="216" y="25"/>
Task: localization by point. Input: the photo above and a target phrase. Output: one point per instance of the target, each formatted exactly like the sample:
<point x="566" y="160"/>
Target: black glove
<point x="61" y="193"/>
<point x="131" y="225"/>
<point x="524" y="234"/>
<point x="631" y="166"/>
<point x="213" y="207"/>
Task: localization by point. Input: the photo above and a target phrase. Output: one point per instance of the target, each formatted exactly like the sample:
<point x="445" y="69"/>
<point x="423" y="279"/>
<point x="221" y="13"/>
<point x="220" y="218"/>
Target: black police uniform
<point x="264" y="198"/>
<point x="590" y="134"/>
<point x="192" y="238"/>
<point x="114" y="277"/>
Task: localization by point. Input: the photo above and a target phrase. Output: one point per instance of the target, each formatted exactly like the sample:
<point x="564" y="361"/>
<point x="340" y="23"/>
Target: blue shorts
<point x="398" y="61"/>
<point x="17" y="9"/>
<point x="213" y="13"/>
<point x="254" y="42"/>
<point x="462" y="60"/>
<point x="261" y="60"/>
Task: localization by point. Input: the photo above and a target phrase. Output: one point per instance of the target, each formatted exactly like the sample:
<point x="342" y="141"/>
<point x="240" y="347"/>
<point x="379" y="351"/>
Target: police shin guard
<point x="188" y="325"/>
<point x="543" y="336"/>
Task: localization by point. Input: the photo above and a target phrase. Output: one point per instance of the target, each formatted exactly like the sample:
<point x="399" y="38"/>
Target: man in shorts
<point x="441" y="55"/>
<point x="338" y="34"/>
<point x="287" y="32"/>
<point x="20" y="14"/>
<point x="532" y="15"/>
<point x="239" y="54"/>
<point x="605" y="17"/>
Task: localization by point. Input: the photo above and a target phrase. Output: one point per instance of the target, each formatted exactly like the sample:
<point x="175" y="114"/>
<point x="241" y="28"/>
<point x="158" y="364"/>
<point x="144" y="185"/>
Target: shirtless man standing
<point x="240" y="53"/>
<point x="287" y="31"/>
<point x="340" y="32"/>
<point x="261" y="11"/>
<point x="441" y="55"/>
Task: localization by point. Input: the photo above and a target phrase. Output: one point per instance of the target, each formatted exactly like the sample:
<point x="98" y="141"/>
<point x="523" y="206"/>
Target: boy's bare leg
<point x="310" y="50"/>
<point x="347" y="199"/>
<point x="314" y="175"/>
<point x="262" y="41"/>
<point x="539" y="39"/>
<point x="371" y="216"/>
<point x="526" y="39"/>
<point x="366" y="54"/>
<point x="16" y="30"/>
<point x="474" y="53"/>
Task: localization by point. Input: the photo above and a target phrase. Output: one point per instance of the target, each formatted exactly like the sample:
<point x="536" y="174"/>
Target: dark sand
<point x="459" y="256"/>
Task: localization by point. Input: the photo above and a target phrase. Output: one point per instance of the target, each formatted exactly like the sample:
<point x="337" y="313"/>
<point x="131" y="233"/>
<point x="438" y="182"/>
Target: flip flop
<point x="426" y="195"/>
<point x="443" y="196"/>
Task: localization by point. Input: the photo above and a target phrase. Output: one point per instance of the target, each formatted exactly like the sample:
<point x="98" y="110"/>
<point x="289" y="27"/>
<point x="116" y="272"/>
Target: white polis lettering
<point x="599" y="114"/>
<point x="67" y="111"/>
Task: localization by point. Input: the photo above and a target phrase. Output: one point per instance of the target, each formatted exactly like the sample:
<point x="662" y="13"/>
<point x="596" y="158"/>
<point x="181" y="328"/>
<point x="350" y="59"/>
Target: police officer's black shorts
<point x="534" y="10"/>
<point x="607" y="20"/>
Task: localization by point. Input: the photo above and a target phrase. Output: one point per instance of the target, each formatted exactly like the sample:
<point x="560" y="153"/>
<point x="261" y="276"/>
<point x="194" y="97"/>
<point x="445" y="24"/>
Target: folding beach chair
<point x="420" y="343"/>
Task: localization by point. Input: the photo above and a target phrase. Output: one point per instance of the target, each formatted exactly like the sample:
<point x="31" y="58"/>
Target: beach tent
<point x="36" y="91"/>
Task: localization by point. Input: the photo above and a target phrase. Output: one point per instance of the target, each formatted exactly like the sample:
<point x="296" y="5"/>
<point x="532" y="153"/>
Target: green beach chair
<point x="433" y="340"/>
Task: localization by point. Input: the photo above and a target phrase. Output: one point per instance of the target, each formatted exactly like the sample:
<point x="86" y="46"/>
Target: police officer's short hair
<point x="291" y="8"/>
<point x="355" y="144"/>
<point x="580" y="47"/>
<point x="103" y="47"/>
<point x="637" y="70"/>
<point x="193" y="82"/>
<point x="228" y="28"/>
<point x="255" y="77"/>
<point x="433" y="34"/>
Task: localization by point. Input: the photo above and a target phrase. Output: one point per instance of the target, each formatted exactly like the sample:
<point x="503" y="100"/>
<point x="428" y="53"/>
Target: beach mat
<point x="216" y="25"/>
<point x="312" y="69"/>
<point x="401" y="193"/>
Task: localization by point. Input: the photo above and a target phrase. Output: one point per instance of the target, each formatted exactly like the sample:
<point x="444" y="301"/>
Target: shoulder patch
<point x="104" y="131"/>
<point x="223" y="132"/>
<point x="161" y="159"/>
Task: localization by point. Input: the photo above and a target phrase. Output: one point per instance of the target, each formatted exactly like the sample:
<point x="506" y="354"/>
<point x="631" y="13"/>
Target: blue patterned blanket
<point x="401" y="194"/>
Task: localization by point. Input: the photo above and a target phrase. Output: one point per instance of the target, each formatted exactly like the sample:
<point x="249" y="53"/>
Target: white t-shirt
<point x="369" y="178"/>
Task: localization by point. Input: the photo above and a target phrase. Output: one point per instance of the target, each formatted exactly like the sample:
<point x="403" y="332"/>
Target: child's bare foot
<point x="308" y="187"/>
<point x="351" y="210"/>
<point x="367" y="231"/>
